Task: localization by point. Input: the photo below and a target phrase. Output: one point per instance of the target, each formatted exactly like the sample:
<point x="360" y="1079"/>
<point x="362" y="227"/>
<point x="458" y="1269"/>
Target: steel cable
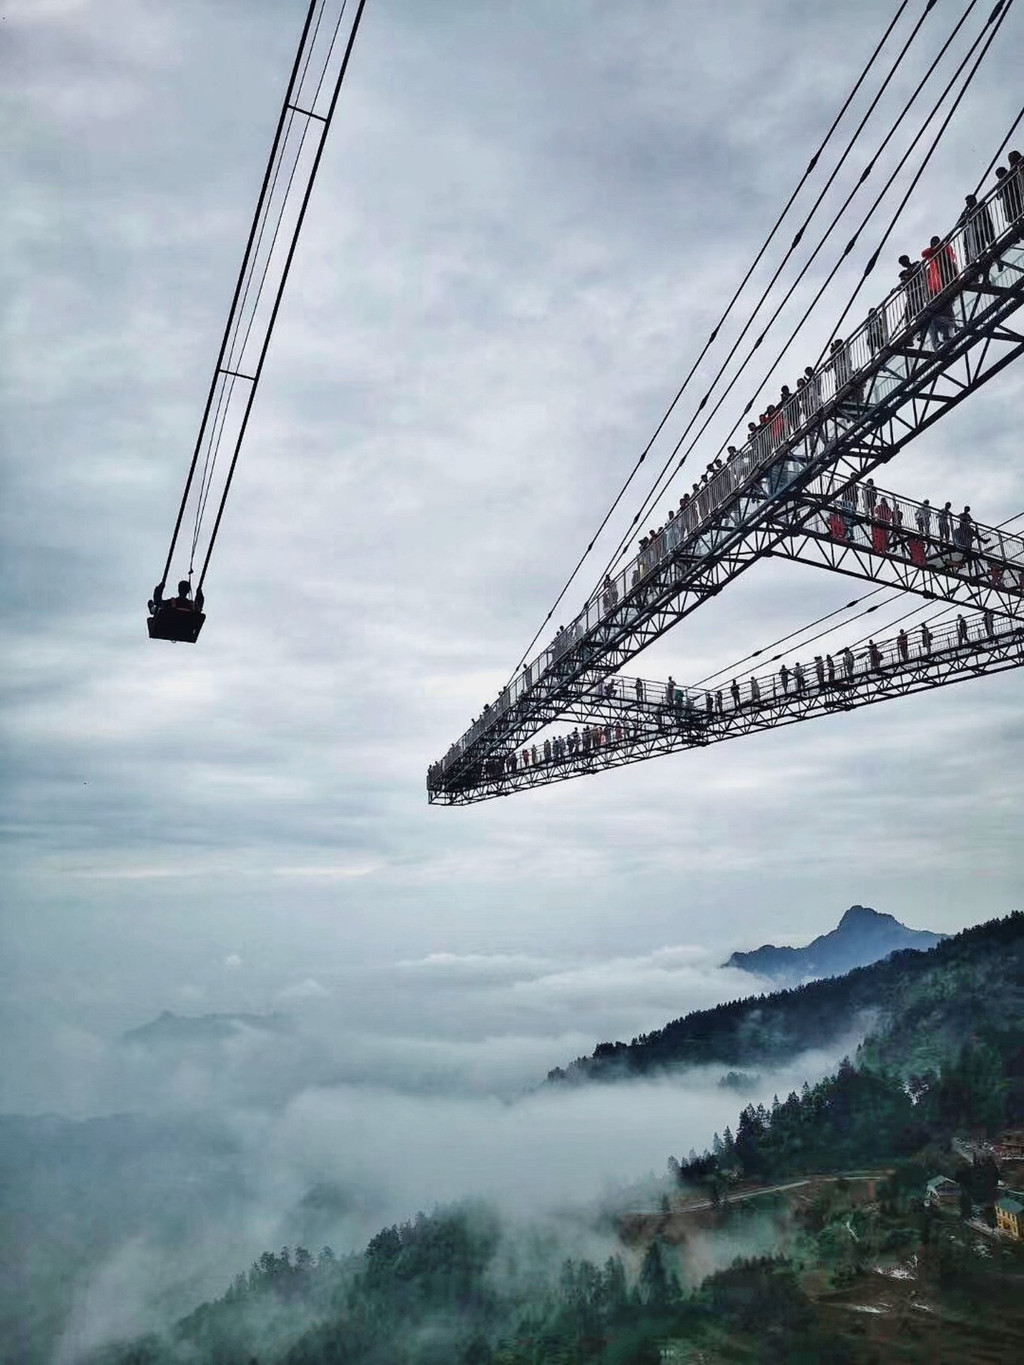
<point x="350" y="44"/>
<point x="898" y="594"/>
<point x="669" y="468"/>
<point x="235" y="297"/>
<point x="235" y="359"/>
<point x="725" y="315"/>
<point x="1002" y="9"/>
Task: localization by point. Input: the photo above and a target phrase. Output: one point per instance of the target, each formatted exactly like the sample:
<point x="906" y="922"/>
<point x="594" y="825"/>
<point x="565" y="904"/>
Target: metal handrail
<point x="828" y="675"/>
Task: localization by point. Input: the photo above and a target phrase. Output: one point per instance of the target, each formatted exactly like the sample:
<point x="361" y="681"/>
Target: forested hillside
<point x="762" y="1030"/>
<point x="446" y="1290"/>
<point x="828" y="1277"/>
<point x="947" y="1057"/>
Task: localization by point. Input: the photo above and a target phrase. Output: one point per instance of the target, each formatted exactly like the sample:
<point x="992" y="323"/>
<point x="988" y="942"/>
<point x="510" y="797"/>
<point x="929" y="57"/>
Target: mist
<point x="479" y="1023"/>
<point x="335" y="1164"/>
<point x="342" y="1110"/>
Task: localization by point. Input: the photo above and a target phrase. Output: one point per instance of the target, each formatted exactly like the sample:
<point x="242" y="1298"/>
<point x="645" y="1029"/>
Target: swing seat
<point x="171" y="623"/>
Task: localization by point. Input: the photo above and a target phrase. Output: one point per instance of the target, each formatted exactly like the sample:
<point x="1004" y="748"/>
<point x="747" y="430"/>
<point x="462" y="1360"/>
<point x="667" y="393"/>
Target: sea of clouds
<point x="316" y="1110"/>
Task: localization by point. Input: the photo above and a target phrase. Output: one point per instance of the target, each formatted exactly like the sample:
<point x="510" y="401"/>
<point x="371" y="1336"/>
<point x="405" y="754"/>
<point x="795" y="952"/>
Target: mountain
<point x="169" y="1029"/>
<point x="764" y="1030"/>
<point x="862" y="936"/>
<point x="877" y="1275"/>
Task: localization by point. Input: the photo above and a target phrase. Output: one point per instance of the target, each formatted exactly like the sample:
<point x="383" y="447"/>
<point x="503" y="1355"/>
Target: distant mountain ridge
<point x="169" y="1028"/>
<point x="862" y="936"/>
<point x="771" y="1029"/>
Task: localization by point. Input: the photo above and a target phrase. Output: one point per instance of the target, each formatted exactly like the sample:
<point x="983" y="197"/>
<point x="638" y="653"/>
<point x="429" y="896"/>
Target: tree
<point x="658" y="1285"/>
<point x="477" y="1351"/>
<point x="614" y="1289"/>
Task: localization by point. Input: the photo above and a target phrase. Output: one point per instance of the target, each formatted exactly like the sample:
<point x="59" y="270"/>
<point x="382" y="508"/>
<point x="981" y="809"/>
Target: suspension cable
<point x="999" y="151"/>
<point x="237" y="291"/>
<point x="228" y="389"/>
<point x="729" y="307"/>
<point x="1002" y="9"/>
<point x="280" y="289"/>
<point x="662" y="481"/>
<point x="898" y="594"/>
<point x="756" y="653"/>
<point x="235" y="357"/>
<point x="943" y="612"/>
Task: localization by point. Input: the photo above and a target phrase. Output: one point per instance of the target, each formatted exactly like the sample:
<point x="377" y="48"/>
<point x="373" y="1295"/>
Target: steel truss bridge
<point x="800" y="489"/>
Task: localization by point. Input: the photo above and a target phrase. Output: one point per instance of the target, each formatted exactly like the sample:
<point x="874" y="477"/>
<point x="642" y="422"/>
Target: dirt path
<point x="755" y="1194"/>
<point x="672" y="1225"/>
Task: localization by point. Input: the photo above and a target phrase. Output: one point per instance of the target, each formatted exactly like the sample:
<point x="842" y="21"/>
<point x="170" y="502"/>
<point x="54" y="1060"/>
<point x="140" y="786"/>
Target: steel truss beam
<point x="628" y="726"/>
<point x="769" y="497"/>
<point x="870" y="533"/>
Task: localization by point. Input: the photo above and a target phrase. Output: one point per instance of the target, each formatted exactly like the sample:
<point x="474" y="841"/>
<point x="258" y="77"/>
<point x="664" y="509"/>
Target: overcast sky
<point x="527" y="220"/>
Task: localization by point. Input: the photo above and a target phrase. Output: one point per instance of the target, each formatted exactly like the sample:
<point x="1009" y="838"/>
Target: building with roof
<point x="1010" y="1216"/>
<point x="1010" y="1146"/>
<point x="942" y="1193"/>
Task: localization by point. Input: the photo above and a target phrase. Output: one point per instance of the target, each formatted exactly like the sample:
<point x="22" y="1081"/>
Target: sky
<point x="527" y="219"/>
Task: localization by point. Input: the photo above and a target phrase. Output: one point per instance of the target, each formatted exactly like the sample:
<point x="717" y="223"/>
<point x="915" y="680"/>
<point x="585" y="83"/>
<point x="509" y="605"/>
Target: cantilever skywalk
<point x="796" y="489"/>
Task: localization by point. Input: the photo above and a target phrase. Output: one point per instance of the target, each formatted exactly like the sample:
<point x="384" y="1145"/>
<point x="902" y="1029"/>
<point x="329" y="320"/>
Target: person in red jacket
<point x="941" y="270"/>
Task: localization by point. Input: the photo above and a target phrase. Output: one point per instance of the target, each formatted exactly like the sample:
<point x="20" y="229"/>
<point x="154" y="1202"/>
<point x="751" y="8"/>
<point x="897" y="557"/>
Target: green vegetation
<point x="931" y="1000"/>
<point x="860" y="1117"/>
<point x="862" y="1272"/>
<point x="444" y="1290"/>
<point x="965" y="1013"/>
<point x="427" y="1293"/>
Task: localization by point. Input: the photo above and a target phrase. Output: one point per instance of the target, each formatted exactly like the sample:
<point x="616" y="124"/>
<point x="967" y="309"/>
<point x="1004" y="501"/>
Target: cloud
<point x="305" y="990"/>
<point x="474" y="968"/>
<point x="546" y="1150"/>
<point x="470" y="353"/>
<point x="329" y="871"/>
<point x="338" y="1162"/>
<point x="483" y="1023"/>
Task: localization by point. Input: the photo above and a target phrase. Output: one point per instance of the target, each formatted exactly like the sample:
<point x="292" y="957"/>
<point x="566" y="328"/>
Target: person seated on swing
<point x="183" y="602"/>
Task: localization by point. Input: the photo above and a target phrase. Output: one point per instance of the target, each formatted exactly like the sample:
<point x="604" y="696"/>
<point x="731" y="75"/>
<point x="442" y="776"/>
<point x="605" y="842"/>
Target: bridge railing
<point x="930" y="535"/>
<point x="632" y="708"/>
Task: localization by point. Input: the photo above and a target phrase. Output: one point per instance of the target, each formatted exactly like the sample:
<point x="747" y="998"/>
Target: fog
<point x="338" y="1104"/>
<point x="337" y="1163"/>
<point x="478" y="1023"/>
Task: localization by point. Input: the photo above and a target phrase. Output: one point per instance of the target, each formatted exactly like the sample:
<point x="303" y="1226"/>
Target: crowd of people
<point x="920" y="310"/>
<point x="919" y="313"/>
<point x="652" y="707"/>
<point x="924" y="535"/>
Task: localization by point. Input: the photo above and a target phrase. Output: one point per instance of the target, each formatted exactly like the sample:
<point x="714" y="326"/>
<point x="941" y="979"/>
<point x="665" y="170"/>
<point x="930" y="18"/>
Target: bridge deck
<point x="627" y="720"/>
